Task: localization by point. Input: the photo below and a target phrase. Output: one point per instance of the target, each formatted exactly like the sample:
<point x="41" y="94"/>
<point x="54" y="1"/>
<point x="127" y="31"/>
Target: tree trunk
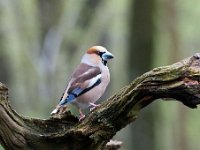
<point x="179" y="81"/>
<point x="140" y="53"/>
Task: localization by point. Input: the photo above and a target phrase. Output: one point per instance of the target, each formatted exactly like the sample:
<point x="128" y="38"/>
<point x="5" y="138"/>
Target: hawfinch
<point x="88" y="82"/>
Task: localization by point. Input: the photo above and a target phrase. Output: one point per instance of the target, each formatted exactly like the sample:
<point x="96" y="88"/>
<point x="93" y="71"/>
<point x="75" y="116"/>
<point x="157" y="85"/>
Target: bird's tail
<point x="55" y="110"/>
<point x="62" y="102"/>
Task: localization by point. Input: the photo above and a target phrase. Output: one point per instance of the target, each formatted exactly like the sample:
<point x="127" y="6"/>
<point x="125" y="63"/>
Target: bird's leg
<point x="82" y="116"/>
<point x="94" y="106"/>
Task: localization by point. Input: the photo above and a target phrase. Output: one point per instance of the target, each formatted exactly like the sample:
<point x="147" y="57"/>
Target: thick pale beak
<point x="107" y="55"/>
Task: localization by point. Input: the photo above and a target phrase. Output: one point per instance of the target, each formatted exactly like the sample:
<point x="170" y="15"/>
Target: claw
<point x="82" y="116"/>
<point x="94" y="106"/>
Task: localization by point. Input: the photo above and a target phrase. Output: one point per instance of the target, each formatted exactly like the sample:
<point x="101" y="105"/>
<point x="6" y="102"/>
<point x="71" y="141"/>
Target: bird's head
<point x="100" y="52"/>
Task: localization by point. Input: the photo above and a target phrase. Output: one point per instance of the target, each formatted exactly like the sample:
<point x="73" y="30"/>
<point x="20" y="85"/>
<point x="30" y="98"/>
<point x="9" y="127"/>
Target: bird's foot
<point x="94" y="106"/>
<point x="81" y="117"/>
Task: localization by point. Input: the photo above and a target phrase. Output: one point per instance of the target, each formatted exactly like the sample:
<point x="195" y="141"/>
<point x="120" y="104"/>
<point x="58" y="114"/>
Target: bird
<point x="88" y="82"/>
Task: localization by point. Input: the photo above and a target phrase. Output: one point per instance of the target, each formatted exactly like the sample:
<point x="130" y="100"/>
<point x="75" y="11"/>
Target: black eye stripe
<point x="100" y="53"/>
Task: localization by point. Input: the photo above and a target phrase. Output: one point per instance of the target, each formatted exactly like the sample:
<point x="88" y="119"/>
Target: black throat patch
<point x="104" y="62"/>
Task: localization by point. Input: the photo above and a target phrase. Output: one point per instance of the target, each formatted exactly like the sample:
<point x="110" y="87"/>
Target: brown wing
<point x="81" y="77"/>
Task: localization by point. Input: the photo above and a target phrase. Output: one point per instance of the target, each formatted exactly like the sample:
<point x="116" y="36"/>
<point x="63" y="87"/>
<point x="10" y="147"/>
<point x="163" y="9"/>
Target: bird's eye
<point x="100" y="53"/>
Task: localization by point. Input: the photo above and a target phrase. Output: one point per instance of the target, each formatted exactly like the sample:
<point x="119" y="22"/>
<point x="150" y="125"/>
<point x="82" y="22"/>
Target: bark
<point x="180" y="81"/>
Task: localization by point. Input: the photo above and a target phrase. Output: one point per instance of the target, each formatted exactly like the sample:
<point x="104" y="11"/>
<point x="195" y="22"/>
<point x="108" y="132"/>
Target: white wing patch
<point x="94" y="80"/>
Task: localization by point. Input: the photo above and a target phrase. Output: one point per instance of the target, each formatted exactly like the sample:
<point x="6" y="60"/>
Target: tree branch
<point x="180" y="81"/>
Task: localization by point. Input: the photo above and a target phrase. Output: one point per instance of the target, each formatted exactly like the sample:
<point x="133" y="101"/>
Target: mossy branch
<point x="180" y="81"/>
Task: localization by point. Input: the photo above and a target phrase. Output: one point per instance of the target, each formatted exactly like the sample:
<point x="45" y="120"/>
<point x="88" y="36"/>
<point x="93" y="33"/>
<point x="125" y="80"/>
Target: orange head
<point x="97" y="54"/>
<point x="100" y="51"/>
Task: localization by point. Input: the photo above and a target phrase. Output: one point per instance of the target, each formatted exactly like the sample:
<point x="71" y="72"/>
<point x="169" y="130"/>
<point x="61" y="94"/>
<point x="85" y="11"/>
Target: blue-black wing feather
<point x="77" y="92"/>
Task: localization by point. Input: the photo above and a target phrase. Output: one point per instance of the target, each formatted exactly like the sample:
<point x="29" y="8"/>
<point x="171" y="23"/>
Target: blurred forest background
<point x="41" y="42"/>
